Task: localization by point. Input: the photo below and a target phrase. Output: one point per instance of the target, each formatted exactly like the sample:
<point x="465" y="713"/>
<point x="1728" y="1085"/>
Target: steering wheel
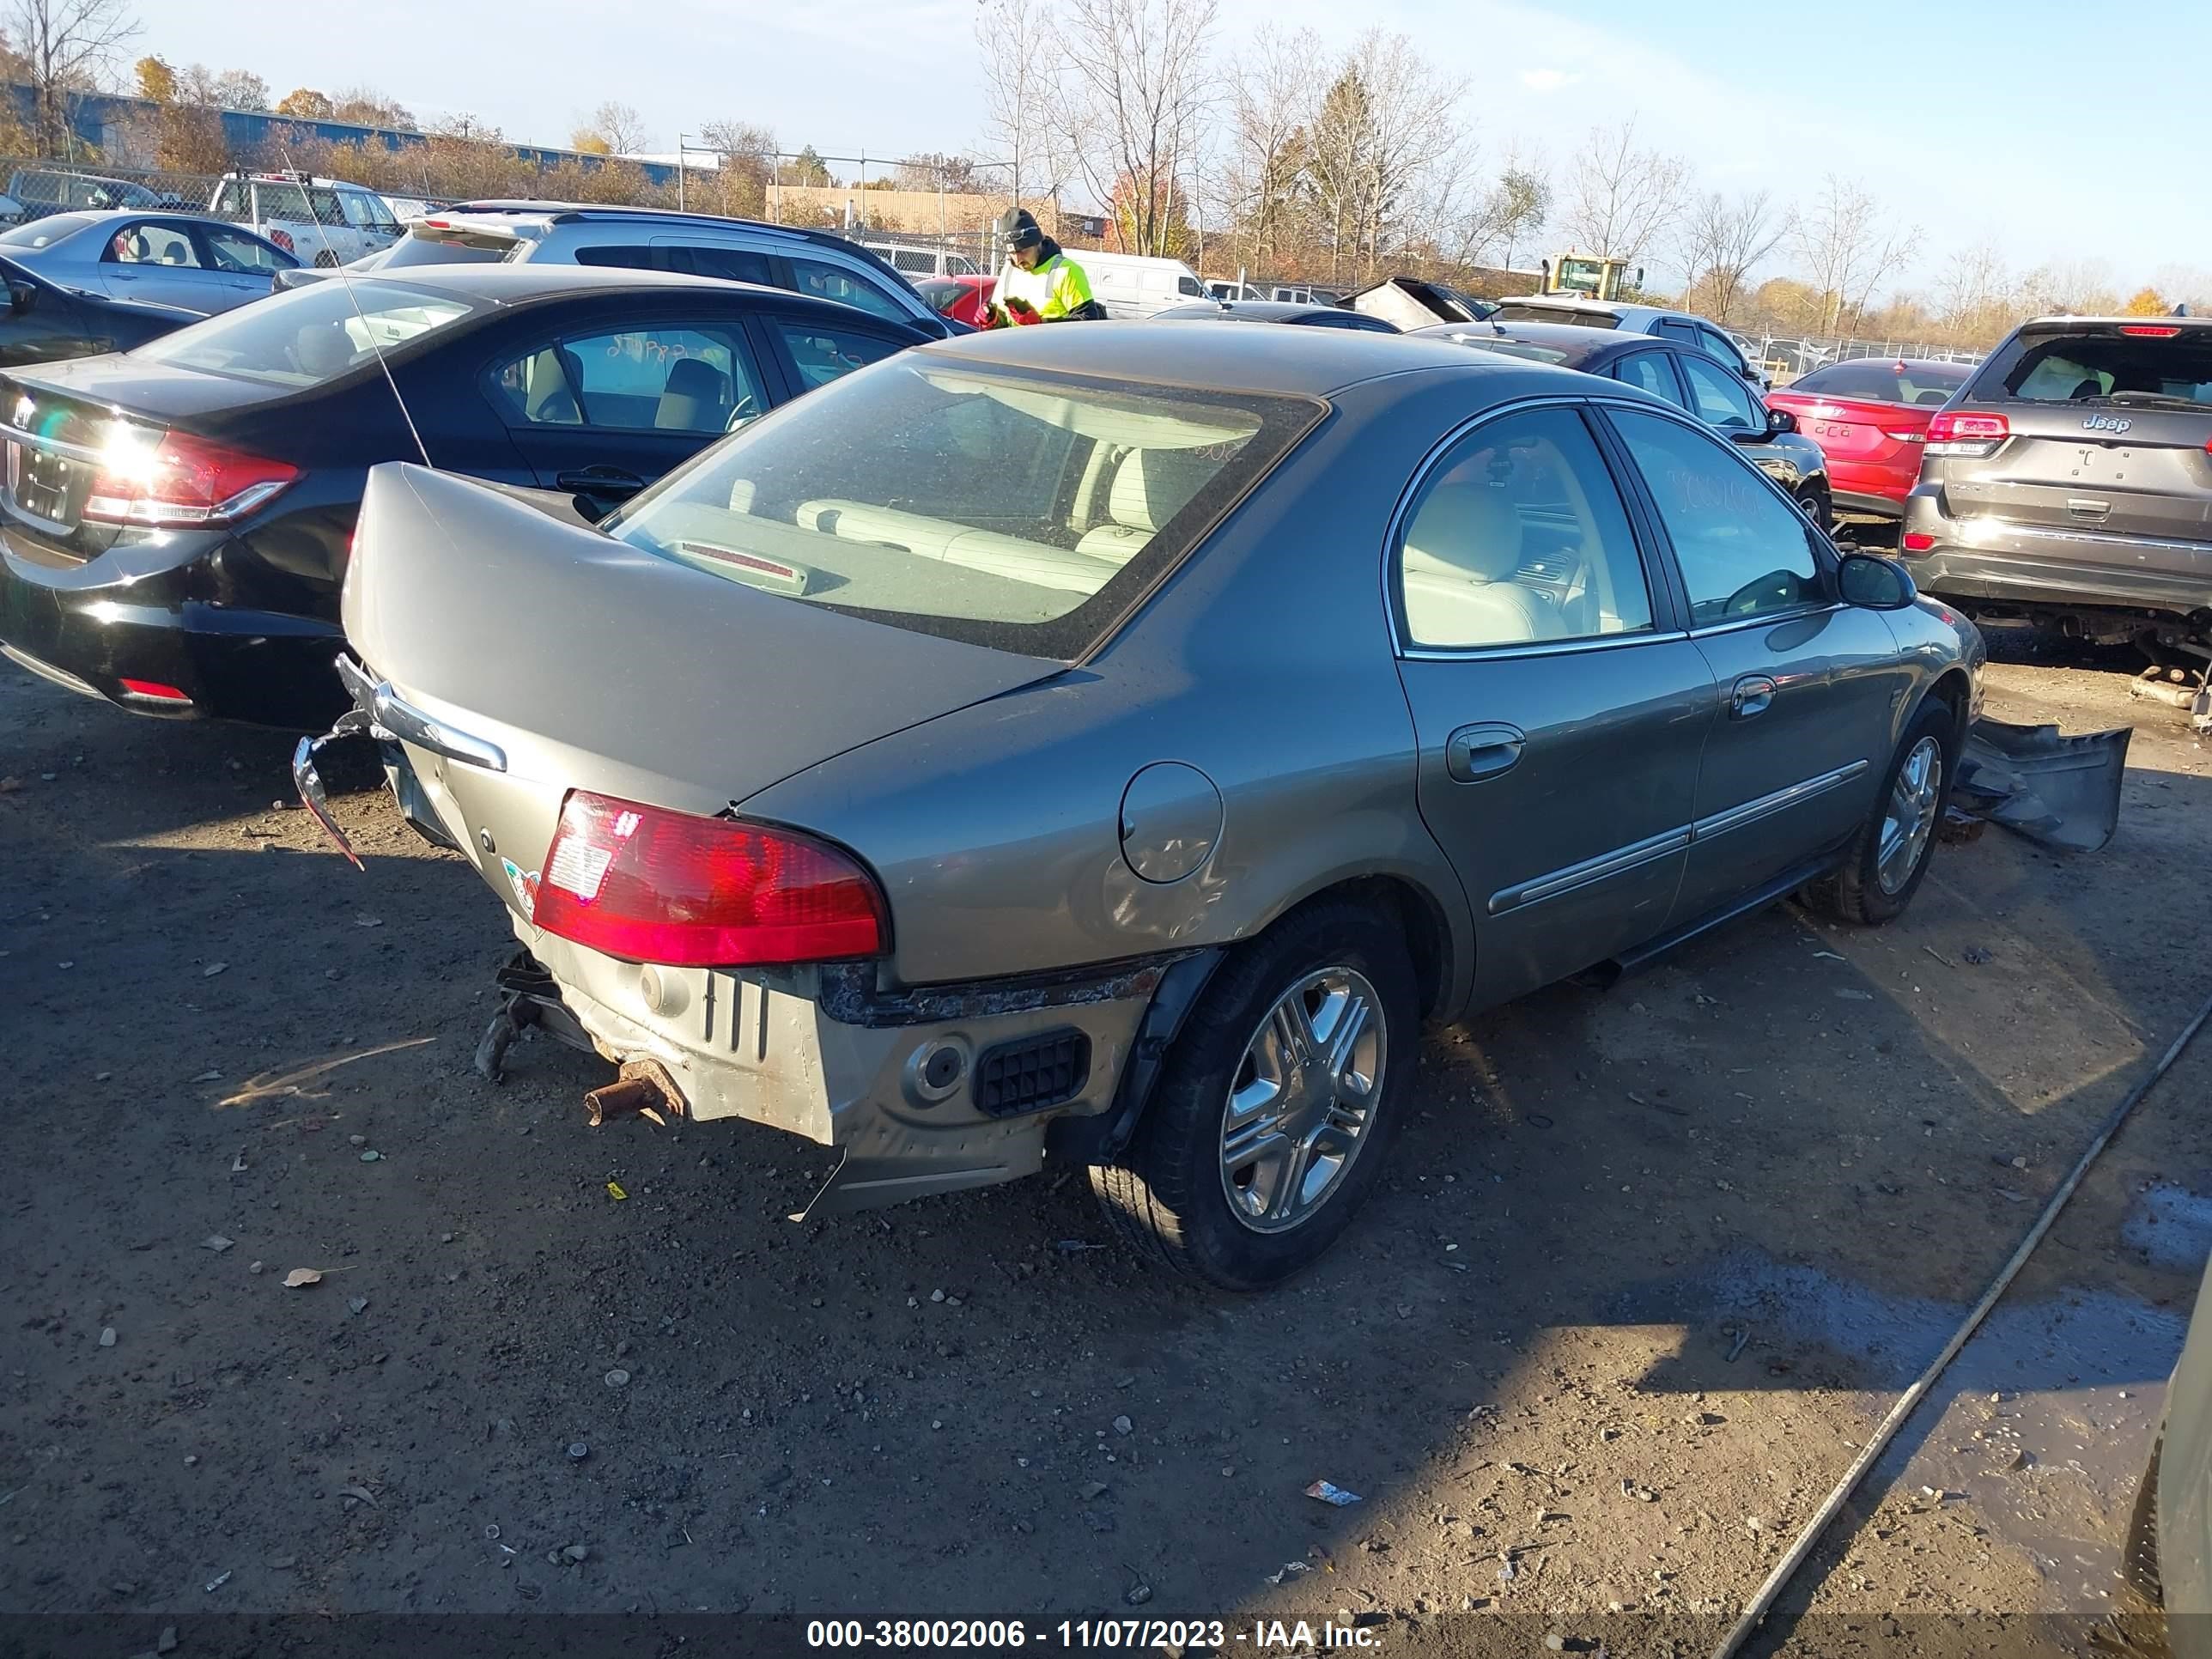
<point x="747" y="408"/>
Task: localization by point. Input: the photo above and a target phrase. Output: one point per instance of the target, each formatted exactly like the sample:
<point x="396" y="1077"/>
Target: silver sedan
<point x="163" y="258"/>
<point x="1108" y="746"/>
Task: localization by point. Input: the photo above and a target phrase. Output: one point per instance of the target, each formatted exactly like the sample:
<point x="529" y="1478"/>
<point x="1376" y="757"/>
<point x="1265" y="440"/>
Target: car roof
<point x="512" y="285"/>
<point x="1567" y="337"/>
<point x="1313" y="363"/>
<point x="99" y="219"/>
<point x="2163" y="320"/>
<point x="1251" y="311"/>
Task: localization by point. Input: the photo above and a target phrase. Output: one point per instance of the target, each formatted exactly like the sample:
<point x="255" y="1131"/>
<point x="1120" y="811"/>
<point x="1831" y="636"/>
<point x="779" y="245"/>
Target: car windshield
<point x="308" y="336"/>
<point x="1533" y="311"/>
<point x="1007" y="508"/>
<point x="44" y="232"/>
<point x="2111" y="362"/>
<point x="1924" y="383"/>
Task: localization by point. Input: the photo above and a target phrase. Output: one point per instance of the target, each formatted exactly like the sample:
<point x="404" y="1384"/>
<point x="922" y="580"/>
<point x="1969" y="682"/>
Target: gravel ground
<point x="1651" y="1263"/>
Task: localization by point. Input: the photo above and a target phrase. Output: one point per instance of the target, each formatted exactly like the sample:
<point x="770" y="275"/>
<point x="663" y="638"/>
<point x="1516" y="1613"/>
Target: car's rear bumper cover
<point x="1988" y="557"/>
<point x="67" y="623"/>
<point x="767" y="1047"/>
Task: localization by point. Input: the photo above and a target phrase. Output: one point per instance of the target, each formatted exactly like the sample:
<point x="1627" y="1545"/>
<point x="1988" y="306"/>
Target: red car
<point x="1870" y="419"/>
<point x="961" y="298"/>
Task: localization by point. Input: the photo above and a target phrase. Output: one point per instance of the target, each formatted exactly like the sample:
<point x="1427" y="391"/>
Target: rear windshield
<point x="2103" y="364"/>
<point x="1929" y="384"/>
<point x="417" y="249"/>
<point x="43" y="232"/>
<point x="1021" y="511"/>
<point x="289" y="204"/>
<point x="307" y="336"/>
<point x="1528" y="312"/>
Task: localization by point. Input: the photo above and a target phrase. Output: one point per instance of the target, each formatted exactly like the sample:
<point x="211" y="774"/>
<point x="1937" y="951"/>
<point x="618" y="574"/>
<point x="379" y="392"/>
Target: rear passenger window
<point x="1719" y="398"/>
<point x="730" y="264"/>
<point x="667" y="380"/>
<point x="823" y="355"/>
<point x="1520" y="538"/>
<point x="1744" y="552"/>
<point x="630" y="258"/>
<point x="827" y="282"/>
<point x="1649" y="370"/>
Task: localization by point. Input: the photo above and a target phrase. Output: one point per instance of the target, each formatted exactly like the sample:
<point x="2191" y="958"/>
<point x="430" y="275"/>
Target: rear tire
<point x="1268" y="1130"/>
<point x="1883" y="866"/>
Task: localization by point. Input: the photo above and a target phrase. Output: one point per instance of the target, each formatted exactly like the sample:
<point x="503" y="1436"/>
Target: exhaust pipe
<point x="643" y="1087"/>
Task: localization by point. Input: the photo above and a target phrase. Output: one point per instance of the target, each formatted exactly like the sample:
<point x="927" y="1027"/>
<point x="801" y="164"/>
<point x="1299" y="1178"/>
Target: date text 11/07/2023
<point x="1136" y="1635"/>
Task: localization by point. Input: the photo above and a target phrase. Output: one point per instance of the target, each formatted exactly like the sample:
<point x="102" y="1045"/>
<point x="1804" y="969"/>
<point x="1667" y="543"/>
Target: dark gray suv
<point x="2070" y="481"/>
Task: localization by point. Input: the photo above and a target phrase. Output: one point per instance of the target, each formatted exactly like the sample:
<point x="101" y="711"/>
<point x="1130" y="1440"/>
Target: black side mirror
<point x="21" y="296"/>
<point x="1875" y="583"/>
<point x="1780" y="420"/>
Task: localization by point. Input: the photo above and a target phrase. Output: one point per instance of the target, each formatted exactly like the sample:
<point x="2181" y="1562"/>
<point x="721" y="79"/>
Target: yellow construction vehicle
<point x="1589" y="276"/>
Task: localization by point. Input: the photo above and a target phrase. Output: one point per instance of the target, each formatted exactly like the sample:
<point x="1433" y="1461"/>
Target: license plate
<point x="38" y="483"/>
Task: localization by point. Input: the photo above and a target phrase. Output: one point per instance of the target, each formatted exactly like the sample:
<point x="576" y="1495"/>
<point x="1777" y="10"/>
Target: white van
<point x="1135" y="285"/>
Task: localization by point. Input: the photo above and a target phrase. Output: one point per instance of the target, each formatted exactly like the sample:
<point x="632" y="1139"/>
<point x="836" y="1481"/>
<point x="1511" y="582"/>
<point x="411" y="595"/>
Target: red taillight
<point x="1916" y="541"/>
<point x="179" y="481"/>
<point x="1905" y="434"/>
<point x="650" y="885"/>
<point x="2149" y="330"/>
<point x="1953" y="432"/>
<point x="283" y="239"/>
<point x="154" y="690"/>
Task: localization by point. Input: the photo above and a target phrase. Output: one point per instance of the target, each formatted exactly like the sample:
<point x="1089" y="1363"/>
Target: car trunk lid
<point x="2122" y="469"/>
<point x="1856" y="429"/>
<point x="57" y="421"/>
<point x="2107" y="426"/>
<point x="542" y="657"/>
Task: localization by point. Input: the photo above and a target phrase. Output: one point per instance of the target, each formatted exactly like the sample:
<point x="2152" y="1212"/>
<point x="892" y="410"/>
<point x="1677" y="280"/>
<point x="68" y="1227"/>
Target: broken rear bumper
<point x="925" y="1092"/>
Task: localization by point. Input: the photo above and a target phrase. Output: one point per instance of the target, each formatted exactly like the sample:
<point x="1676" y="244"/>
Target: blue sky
<point x="2035" y="126"/>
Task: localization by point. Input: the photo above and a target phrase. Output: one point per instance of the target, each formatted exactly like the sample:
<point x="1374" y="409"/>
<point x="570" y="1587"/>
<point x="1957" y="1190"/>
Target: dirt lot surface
<point x="1652" y="1264"/>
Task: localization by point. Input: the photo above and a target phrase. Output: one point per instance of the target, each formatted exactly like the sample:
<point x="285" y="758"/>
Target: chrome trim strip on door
<point x="1605" y="865"/>
<point x="1539" y="649"/>
<point x="1767" y="805"/>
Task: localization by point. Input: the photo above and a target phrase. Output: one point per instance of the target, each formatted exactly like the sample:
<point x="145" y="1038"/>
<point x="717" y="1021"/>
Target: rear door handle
<point x="1475" y="752"/>
<point x="1753" y="695"/>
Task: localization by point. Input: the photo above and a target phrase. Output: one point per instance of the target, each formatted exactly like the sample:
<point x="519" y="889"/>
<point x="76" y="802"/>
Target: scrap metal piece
<point x="2059" y="791"/>
<point x="643" y="1083"/>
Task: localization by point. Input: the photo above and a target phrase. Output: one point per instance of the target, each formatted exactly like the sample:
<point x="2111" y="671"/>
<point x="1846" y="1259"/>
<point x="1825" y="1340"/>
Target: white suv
<point x="326" y="221"/>
<point x="811" y="261"/>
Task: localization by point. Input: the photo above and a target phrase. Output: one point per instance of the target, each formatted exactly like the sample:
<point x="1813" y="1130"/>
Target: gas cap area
<point x="1170" y="821"/>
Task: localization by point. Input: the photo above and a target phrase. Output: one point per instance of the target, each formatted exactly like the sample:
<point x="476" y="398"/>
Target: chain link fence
<point x="1792" y="355"/>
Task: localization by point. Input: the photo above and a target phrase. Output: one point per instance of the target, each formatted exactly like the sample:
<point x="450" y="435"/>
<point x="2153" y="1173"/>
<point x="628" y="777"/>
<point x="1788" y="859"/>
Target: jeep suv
<point x="811" y="261"/>
<point x="2070" y="481"/>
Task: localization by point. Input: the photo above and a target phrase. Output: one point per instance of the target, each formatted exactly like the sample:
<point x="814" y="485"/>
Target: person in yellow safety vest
<point x="1038" y="282"/>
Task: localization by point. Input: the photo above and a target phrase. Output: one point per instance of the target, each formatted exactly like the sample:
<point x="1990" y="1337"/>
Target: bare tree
<point x="1415" y="137"/>
<point x="1975" y="294"/>
<point x="66" y="46"/>
<point x="932" y="171"/>
<point x="2081" y="286"/>
<point x="1849" y="247"/>
<point x="748" y="152"/>
<point x="370" y="108"/>
<point x="618" y="126"/>
<point x="1338" y="166"/>
<point x="240" y="89"/>
<point x="1273" y="88"/>
<point x="1621" y="197"/>
<point x="1019" y="40"/>
<point x="1722" y="241"/>
<point x="1498" y="216"/>
<point x="1138" y="102"/>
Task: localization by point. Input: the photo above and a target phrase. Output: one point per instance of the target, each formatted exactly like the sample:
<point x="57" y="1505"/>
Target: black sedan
<point x="46" y="320"/>
<point x="174" y="521"/>
<point x="1306" y="315"/>
<point x="1684" y="377"/>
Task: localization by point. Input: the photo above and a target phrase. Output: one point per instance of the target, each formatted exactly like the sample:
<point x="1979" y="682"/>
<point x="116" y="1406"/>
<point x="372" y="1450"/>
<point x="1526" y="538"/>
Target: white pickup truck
<point x="326" y="221"/>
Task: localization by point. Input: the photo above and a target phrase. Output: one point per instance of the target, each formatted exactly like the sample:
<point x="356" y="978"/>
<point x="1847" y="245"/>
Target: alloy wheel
<point x="1302" y="1103"/>
<point x="1910" y="817"/>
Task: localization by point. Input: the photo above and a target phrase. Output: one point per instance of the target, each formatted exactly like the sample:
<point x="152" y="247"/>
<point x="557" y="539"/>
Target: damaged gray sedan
<point x="1109" y="745"/>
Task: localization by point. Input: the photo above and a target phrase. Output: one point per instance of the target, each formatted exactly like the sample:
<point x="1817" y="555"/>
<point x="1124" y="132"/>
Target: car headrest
<point x="323" y="350"/>
<point x="696" y="398"/>
<point x="1153" y="485"/>
<point x="1472" y="531"/>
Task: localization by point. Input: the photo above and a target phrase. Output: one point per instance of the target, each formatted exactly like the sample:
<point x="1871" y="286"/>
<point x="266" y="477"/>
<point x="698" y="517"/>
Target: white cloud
<point x="1547" y="80"/>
